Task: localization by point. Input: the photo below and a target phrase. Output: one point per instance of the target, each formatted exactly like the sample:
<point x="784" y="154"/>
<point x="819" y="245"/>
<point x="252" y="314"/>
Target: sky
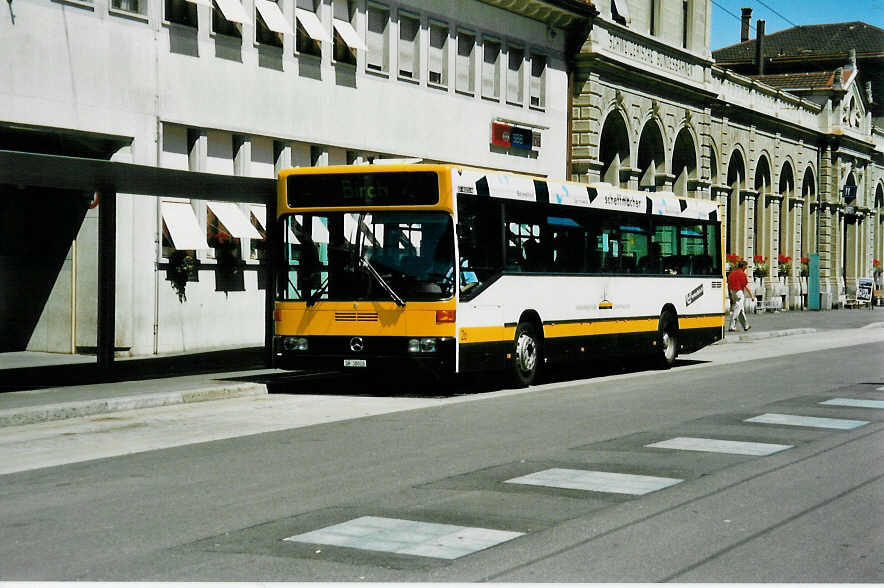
<point x="784" y="14"/>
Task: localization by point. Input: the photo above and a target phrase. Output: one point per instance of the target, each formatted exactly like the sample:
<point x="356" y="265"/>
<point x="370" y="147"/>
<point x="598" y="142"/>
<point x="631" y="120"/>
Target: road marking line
<point x="806" y="421"/>
<point x="854" y="402"/>
<point x="720" y="446"/>
<point x="596" y="481"/>
<point x="407" y="537"/>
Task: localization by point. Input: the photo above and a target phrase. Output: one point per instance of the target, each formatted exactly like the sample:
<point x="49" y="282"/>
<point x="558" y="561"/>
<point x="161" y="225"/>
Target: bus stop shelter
<point x="106" y="179"/>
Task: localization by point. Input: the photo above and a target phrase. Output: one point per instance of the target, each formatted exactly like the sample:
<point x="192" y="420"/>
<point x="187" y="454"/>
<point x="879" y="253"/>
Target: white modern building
<point x="243" y="88"/>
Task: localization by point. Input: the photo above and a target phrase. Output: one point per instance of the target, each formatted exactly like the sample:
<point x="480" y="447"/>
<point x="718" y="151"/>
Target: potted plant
<point x="805" y="267"/>
<point x="732" y="259"/>
<point x="785" y="265"/>
<point x="182" y="269"/>
<point x="760" y="262"/>
<point x="228" y="276"/>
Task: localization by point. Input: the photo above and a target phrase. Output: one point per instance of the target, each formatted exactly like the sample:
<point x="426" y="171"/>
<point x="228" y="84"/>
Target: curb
<point x="66" y="410"/>
<point x="744" y="338"/>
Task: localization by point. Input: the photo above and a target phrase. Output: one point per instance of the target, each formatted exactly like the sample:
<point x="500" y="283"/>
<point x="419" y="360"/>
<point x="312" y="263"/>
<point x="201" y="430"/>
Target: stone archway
<point x="808" y="242"/>
<point x="850" y="231"/>
<point x="614" y="148"/>
<point x="736" y="216"/>
<point x="789" y="215"/>
<point x="684" y="163"/>
<point x="651" y="158"/>
<point x="878" y="241"/>
<point x="761" y="224"/>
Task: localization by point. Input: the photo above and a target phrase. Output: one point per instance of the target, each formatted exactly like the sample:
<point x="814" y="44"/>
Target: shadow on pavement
<point x="365" y="384"/>
<point x="78" y="374"/>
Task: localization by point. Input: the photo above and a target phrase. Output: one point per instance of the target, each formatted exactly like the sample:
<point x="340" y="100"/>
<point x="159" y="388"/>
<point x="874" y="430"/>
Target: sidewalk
<point x="23" y="407"/>
<point x="795" y="322"/>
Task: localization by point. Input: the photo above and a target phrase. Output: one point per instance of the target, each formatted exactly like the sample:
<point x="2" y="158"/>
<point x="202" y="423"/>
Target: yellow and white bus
<point x="452" y="270"/>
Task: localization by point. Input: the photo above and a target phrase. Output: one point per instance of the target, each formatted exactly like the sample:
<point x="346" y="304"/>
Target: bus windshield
<point x="397" y="255"/>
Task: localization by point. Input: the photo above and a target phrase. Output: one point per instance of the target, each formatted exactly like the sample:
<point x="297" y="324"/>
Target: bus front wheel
<point x="667" y="341"/>
<point x="527" y="355"/>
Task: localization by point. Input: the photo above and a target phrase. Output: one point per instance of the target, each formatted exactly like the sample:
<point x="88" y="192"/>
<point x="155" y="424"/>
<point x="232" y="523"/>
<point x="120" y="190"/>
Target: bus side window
<point x="478" y="240"/>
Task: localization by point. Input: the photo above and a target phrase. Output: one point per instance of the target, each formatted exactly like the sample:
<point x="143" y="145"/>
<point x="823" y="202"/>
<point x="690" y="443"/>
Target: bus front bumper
<point x="435" y="355"/>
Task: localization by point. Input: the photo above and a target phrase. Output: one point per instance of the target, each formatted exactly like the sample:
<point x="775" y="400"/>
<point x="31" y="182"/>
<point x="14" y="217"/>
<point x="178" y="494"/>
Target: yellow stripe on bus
<point x="587" y="328"/>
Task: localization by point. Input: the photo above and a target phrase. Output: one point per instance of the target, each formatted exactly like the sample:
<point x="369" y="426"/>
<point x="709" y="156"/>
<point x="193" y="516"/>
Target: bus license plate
<point x="354" y="363"/>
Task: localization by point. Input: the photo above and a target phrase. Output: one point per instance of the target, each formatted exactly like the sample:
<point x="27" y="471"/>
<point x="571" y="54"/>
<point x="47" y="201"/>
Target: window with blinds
<point x="491" y="69"/>
<point x="515" y="91"/>
<point x="538" y="81"/>
<point x="306" y="42"/>
<point x="409" y="53"/>
<point x="465" y="66"/>
<point x="344" y="19"/>
<point x="378" y="57"/>
<point x="437" y="66"/>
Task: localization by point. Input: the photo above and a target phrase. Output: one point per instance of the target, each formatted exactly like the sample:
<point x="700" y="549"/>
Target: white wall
<point x="80" y="66"/>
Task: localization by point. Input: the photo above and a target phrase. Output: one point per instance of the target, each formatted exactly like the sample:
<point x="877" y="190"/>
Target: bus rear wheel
<point x="667" y="341"/>
<point x="527" y="355"/>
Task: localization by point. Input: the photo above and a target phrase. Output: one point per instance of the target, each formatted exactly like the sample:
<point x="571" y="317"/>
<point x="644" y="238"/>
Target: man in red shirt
<point x="738" y="284"/>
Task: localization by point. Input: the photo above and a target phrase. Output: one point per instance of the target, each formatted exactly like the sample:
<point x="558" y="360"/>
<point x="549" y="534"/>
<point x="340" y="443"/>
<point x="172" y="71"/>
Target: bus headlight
<point x="423" y="345"/>
<point x="295" y="343"/>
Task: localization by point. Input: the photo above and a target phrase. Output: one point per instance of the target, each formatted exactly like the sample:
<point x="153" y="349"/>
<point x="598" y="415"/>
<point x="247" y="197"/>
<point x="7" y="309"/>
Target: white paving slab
<point x="407" y="537"/>
<point x="806" y="421"/>
<point x="596" y="481"/>
<point x="854" y="402"/>
<point x="720" y="446"/>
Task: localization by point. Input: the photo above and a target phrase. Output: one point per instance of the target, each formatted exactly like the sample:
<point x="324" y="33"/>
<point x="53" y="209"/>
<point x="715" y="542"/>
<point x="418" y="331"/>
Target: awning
<point x="233" y="11"/>
<point x="260" y="213"/>
<point x="273" y="17"/>
<point x="349" y="34"/>
<point x="183" y="227"/>
<point x="206" y="3"/>
<point x="234" y="220"/>
<point x="311" y="24"/>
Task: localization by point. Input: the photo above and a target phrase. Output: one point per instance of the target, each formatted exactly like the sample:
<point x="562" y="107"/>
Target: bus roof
<point x="597" y="196"/>
<point x="514" y="186"/>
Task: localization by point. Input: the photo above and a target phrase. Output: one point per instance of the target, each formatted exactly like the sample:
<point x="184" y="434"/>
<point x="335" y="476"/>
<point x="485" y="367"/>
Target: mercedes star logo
<point x="357" y="344"/>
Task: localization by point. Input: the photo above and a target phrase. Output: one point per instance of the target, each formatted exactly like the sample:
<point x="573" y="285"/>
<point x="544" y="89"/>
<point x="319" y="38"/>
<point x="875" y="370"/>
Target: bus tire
<point x="527" y="355"/>
<point x="667" y="341"/>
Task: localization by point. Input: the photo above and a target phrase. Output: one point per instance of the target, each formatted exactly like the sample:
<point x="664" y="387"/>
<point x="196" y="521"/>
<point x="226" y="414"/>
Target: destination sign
<point x="363" y="189"/>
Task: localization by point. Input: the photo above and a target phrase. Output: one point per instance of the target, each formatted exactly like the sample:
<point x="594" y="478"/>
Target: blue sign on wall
<point x="521" y="138"/>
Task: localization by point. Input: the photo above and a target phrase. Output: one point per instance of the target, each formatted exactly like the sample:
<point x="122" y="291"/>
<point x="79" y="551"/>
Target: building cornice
<point x="555" y="13"/>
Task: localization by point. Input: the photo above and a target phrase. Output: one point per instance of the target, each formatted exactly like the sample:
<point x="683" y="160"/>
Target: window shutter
<point x="408" y="28"/>
<point x="376" y="38"/>
<point x="490" y="77"/>
<point x="514" y="91"/>
<point x="464" y="66"/>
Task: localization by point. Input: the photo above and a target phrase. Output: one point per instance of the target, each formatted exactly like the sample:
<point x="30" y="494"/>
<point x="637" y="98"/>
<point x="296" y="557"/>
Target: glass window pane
<point x="491" y="69"/>
<point x="514" y="91"/>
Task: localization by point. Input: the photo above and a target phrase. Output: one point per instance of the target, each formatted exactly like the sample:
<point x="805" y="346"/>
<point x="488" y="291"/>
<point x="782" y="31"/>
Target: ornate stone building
<point x="795" y="158"/>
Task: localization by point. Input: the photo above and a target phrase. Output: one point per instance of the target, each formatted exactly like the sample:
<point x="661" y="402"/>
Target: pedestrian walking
<point x="738" y="285"/>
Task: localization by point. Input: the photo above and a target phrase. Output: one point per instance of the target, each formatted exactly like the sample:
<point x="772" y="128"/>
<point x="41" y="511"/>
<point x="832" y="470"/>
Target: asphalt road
<point x="210" y="492"/>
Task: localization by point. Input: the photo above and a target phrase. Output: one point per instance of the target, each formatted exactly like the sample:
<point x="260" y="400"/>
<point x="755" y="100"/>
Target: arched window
<point x="651" y="155"/>
<point x="684" y="162"/>
<point x="614" y="148"/>
<point x="736" y="179"/>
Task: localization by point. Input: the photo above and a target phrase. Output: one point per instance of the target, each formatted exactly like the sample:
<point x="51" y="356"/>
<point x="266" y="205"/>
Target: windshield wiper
<point x="314" y="298"/>
<point x="367" y="265"/>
